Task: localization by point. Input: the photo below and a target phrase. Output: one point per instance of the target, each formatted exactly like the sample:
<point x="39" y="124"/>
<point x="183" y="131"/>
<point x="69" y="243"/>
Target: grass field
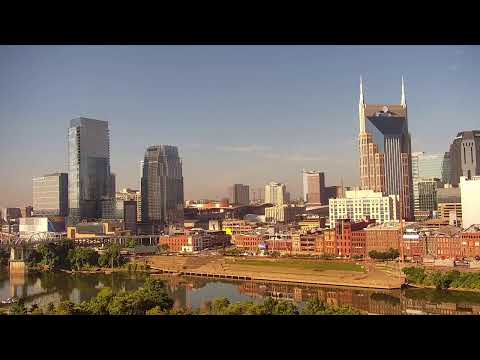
<point x="302" y="264"/>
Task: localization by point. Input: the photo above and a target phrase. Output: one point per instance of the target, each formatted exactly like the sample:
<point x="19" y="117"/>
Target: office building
<point x="428" y="166"/>
<point x="90" y="182"/>
<point x="385" y="151"/>
<point x="138" y="199"/>
<point x="363" y="205"/>
<point x="130" y="215"/>
<point x="120" y="197"/>
<point x="282" y="213"/>
<point x="50" y="195"/>
<point x="451" y="212"/>
<point x="36" y="226"/>
<point x="465" y="156"/>
<point x="239" y="194"/>
<point x="313" y="187"/>
<point x="162" y="187"/>
<point x="470" y="194"/>
<point x="275" y="193"/>
<point x="427" y="196"/>
<point x="257" y="195"/>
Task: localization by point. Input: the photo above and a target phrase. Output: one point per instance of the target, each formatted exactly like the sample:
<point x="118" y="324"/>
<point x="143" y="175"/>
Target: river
<point x="193" y="292"/>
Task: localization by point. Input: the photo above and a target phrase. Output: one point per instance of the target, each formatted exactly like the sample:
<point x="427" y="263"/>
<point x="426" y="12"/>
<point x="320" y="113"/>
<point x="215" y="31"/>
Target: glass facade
<point x="162" y="186"/>
<point x="90" y="183"/>
<point x="50" y="195"/>
<point x="425" y="167"/>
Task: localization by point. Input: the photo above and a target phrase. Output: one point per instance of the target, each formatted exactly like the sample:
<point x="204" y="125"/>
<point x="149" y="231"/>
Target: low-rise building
<point x="236" y="226"/>
<point x="249" y="242"/>
<point x="383" y="237"/>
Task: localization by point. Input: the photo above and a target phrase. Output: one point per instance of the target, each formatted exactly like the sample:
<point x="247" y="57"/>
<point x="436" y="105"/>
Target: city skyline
<point x="292" y="112"/>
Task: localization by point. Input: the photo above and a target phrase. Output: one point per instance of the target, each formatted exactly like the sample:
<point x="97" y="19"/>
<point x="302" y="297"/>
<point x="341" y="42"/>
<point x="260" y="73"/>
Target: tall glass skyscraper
<point x="385" y="150"/>
<point x="162" y="186"/>
<point x="89" y="180"/>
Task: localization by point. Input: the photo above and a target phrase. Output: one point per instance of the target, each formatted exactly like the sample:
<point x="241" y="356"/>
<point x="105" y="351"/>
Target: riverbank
<point x="416" y="286"/>
<point x="278" y="270"/>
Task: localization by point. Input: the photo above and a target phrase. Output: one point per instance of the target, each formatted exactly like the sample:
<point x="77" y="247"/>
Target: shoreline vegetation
<point x="153" y="299"/>
<point x="442" y="280"/>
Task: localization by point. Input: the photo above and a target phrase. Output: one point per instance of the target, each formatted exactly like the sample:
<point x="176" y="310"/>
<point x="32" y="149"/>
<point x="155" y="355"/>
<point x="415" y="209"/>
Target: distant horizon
<point x="238" y="114"/>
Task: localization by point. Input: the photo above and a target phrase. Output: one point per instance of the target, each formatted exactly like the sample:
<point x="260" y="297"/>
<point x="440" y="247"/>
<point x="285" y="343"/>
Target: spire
<point x="403" y="102"/>
<point x="361" y="108"/>
<point x="362" y="101"/>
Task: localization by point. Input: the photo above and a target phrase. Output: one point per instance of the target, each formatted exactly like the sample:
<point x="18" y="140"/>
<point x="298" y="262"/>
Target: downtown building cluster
<point x="404" y="200"/>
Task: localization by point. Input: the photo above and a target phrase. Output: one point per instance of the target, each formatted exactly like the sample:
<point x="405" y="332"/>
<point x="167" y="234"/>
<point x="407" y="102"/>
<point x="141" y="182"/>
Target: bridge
<point x="15" y="240"/>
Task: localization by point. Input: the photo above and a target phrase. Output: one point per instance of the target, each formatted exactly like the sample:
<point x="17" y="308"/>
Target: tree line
<point x="153" y="299"/>
<point x="64" y="255"/>
<point x="442" y="279"/>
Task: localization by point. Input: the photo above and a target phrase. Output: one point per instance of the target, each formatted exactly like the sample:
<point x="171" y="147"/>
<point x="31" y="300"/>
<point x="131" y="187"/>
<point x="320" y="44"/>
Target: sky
<point x="239" y="114"/>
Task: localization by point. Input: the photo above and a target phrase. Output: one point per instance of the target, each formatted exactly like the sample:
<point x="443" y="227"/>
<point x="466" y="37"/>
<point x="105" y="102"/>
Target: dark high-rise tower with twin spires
<point x="385" y="150"/>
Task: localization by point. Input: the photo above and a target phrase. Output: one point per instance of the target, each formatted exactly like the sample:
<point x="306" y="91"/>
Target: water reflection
<point x="42" y="288"/>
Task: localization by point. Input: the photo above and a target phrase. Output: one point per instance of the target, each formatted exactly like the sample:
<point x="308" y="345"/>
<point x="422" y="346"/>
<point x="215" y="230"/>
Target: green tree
<point x="440" y="280"/>
<point x="157" y="310"/>
<point x="81" y="257"/>
<point x="111" y="256"/>
<point x="35" y="310"/>
<point x="18" y="308"/>
<point x="155" y="294"/>
<point x="49" y="255"/>
<point x="127" y="303"/>
<point x="415" y="275"/>
<point x="33" y="257"/>
<point x="50" y="309"/>
<point x="131" y="243"/>
<point x="314" y="307"/>
<point x="66" y="308"/>
<point x="99" y="304"/>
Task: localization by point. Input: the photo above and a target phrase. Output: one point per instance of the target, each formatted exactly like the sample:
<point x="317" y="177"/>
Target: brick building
<point x="304" y="243"/>
<point x="279" y="245"/>
<point x="471" y="241"/>
<point x="343" y="233"/>
<point x="329" y="245"/>
<point x="383" y="237"/>
<point x="174" y="242"/>
<point x="359" y="244"/>
<point x="248" y="242"/>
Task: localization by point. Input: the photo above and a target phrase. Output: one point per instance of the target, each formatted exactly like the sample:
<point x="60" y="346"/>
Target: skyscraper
<point x="314" y="187"/>
<point x="50" y="195"/>
<point x="275" y="193"/>
<point x="465" y="156"/>
<point x="385" y="150"/>
<point x="426" y="167"/>
<point x="162" y="186"/>
<point x="89" y="178"/>
<point x="239" y="194"/>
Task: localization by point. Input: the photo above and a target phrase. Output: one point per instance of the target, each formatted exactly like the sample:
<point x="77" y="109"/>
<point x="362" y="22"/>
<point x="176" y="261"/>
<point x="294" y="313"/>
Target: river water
<point x="193" y="292"/>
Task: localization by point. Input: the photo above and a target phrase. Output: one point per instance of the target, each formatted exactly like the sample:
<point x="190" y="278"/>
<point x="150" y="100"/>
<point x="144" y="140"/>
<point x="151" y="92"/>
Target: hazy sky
<point x="239" y="114"/>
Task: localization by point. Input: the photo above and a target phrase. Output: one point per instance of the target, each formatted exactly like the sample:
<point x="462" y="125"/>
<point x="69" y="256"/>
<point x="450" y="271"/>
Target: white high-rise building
<point x="275" y="193"/>
<point x="359" y="205"/>
<point x="470" y="194"/>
